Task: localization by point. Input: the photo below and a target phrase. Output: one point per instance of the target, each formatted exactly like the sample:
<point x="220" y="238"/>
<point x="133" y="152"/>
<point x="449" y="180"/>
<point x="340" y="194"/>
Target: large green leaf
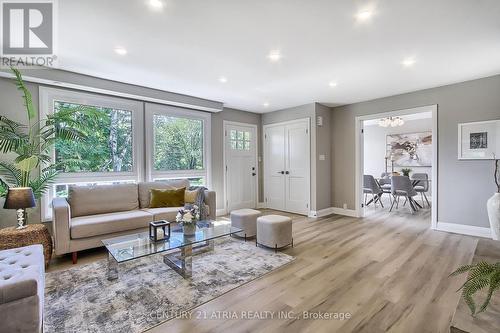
<point x="28" y="164"/>
<point x="41" y="184"/>
<point x="28" y="100"/>
<point x="10" y="174"/>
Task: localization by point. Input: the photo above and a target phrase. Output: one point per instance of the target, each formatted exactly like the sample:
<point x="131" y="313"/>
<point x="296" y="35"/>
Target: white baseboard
<point x="464" y="229"/>
<point x="261" y="205"/>
<point x="345" y="212"/>
<point x="333" y="210"/>
<point x="220" y="212"/>
<point x="321" y="212"/>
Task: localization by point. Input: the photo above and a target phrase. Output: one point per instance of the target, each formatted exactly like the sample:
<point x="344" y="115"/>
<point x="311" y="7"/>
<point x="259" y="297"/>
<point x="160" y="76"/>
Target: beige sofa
<point x="93" y="213"/>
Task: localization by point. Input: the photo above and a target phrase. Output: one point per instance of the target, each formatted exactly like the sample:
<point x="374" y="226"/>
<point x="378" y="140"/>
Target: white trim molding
<point x="464" y="229"/>
<point x="333" y="210"/>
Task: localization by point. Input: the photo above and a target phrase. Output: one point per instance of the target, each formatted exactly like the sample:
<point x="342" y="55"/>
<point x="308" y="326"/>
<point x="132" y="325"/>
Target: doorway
<point x="240" y="165"/>
<point x="397" y="143"/>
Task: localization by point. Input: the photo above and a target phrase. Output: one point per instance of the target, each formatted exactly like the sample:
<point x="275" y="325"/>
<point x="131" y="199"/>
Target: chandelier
<point x="391" y="121"/>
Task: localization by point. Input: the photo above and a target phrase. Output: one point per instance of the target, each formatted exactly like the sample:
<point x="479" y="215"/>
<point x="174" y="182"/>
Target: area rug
<point x="148" y="292"/>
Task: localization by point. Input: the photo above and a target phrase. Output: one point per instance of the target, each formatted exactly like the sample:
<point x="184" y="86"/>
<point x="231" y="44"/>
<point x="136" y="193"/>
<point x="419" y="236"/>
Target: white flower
<point x="178" y="218"/>
<point x="188" y="217"/>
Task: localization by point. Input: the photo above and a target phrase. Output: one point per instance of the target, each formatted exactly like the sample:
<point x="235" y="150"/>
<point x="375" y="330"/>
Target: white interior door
<point x="297" y="165"/>
<point x="287" y="166"/>
<point x="274" y="165"/>
<point x="241" y="166"/>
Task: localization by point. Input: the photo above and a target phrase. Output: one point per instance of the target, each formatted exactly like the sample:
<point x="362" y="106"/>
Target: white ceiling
<point x="189" y="45"/>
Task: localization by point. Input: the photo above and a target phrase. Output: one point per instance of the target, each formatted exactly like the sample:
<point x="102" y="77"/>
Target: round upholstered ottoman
<point x="245" y="219"/>
<point x="274" y="231"/>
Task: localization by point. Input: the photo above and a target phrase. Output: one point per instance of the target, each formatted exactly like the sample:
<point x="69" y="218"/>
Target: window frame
<point x="48" y="96"/>
<point x="163" y="110"/>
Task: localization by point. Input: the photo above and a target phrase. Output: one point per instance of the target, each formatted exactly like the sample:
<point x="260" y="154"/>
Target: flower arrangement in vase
<point x="188" y="216"/>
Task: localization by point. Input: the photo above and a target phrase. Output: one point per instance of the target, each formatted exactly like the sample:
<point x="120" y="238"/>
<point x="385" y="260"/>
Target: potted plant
<point x="31" y="144"/>
<point x="493" y="205"/>
<point x="406" y="172"/>
<point x="482" y="275"/>
<point x="188" y="216"/>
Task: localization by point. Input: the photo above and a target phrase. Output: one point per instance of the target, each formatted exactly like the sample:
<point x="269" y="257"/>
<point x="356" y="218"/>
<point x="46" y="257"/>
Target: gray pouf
<point x="274" y="231"/>
<point x="245" y="219"/>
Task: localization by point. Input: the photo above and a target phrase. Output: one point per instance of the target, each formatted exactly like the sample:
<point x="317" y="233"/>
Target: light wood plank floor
<point x="389" y="271"/>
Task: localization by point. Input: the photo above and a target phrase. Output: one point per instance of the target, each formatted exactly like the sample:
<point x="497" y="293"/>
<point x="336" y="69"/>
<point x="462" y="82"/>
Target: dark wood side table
<point x="34" y="234"/>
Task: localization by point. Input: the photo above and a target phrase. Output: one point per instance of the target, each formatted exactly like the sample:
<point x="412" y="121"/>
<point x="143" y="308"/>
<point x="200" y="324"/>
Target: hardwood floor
<point x="388" y="271"/>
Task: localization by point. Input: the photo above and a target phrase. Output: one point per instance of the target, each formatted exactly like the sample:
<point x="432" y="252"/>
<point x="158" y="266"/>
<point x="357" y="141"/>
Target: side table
<point x="34" y="234"/>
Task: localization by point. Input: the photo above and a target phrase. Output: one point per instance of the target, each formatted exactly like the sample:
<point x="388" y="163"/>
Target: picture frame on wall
<point x="479" y="140"/>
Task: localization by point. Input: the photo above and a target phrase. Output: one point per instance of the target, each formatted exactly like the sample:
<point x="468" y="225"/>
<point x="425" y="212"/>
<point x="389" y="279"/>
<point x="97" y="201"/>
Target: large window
<point x="108" y="147"/>
<point x="112" y="150"/>
<point x="177" y="144"/>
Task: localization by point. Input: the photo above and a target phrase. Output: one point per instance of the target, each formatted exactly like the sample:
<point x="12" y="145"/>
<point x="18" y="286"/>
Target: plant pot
<point x="189" y="229"/>
<point x="493" y="205"/>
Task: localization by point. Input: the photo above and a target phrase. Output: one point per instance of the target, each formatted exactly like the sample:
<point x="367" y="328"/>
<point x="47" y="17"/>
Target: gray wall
<point x="463" y="186"/>
<point x="218" y="147"/>
<point x="323" y="168"/>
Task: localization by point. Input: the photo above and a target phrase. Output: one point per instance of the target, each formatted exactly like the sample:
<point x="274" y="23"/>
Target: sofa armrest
<point x="61" y="222"/>
<point x="211" y="203"/>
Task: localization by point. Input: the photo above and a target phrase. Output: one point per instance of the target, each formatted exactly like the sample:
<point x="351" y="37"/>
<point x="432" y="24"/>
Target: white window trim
<point x="47" y="97"/>
<point x="156" y="109"/>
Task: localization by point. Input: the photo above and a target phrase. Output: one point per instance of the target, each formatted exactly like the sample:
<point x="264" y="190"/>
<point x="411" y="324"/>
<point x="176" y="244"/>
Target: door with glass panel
<point x="240" y="141"/>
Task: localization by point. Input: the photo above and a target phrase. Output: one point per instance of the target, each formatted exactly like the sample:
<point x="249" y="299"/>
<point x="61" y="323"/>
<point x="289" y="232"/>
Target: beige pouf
<point x="274" y="231"/>
<point x="245" y="219"/>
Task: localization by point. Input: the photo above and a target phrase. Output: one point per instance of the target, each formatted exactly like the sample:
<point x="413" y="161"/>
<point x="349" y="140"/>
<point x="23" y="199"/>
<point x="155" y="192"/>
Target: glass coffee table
<point x="138" y="245"/>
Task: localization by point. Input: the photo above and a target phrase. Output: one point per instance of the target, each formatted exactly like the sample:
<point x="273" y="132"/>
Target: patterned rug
<point x="148" y="292"/>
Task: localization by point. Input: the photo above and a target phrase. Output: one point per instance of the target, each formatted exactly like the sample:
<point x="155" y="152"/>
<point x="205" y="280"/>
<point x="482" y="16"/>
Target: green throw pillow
<point x="167" y="198"/>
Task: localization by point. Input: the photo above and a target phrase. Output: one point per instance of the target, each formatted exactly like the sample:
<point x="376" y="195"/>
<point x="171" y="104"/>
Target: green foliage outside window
<point x="178" y="143"/>
<point x="107" y="148"/>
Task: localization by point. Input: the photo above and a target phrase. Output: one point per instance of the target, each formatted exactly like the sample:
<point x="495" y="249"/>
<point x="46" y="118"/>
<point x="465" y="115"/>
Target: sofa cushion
<point x="94" y="225"/>
<point x="100" y="199"/>
<point x="145" y="189"/>
<point x="167" y="198"/>
<point x="166" y="213"/>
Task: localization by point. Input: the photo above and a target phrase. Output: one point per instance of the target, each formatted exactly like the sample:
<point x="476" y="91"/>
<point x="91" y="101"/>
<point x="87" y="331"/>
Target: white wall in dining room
<point x="375" y="145"/>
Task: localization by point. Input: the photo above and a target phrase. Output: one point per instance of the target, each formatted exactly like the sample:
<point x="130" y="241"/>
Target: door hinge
<point x="226" y="168"/>
<point x="266" y="199"/>
<point x="265" y="136"/>
<point x="227" y="203"/>
<point x="307" y="205"/>
<point x="362" y="131"/>
<point x="225" y="133"/>
<point x="307" y="131"/>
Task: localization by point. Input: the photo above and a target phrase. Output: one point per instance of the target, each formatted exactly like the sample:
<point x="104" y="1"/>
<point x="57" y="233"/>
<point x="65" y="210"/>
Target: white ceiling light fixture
<point x="364" y="15"/>
<point x="391" y="121"/>
<point x="332" y="84"/>
<point x="408" y="62"/>
<point x="266" y="104"/>
<point x="120" y="51"/>
<point x="223" y="79"/>
<point x="155" y="4"/>
<point x="275" y="56"/>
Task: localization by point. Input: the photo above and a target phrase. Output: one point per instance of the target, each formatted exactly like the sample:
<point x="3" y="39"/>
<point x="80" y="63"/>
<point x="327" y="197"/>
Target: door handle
<point x="254" y="174"/>
<point x="282" y="172"/>
<point x="287" y="172"/>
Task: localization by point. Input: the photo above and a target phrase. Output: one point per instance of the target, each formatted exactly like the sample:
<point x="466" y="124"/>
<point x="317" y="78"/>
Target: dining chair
<point x="421" y="185"/>
<point x="371" y="186"/>
<point x="403" y="187"/>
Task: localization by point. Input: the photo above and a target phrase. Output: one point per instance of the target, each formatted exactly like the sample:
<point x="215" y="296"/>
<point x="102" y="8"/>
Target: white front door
<point x="240" y="166"/>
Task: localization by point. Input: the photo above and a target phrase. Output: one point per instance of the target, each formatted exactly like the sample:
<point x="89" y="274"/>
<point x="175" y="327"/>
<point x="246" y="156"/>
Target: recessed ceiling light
<point x="332" y="84"/>
<point x="364" y="15"/>
<point x="408" y="62"/>
<point x="275" y="55"/>
<point x="223" y="79"/>
<point x="266" y="104"/>
<point x="120" y="51"/>
<point x="156" y="4"/>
